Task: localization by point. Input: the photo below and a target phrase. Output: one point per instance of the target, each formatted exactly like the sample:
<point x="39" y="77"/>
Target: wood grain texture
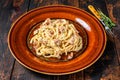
<point x="104" y="65"/>
<point x="18" y="8"/>
<point x="113" y="70"/>
<point x="40" y="3"/>
<point x="6" y="59"/>
<point x="22" y="73"/>
<point x="74" y="3"/>
<point x="113" y="7"/>
<point x="106" y="68"/>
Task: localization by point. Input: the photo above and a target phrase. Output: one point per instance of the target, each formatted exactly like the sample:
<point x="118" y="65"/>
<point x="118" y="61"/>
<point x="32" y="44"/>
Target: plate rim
<point x="49" y="73"/>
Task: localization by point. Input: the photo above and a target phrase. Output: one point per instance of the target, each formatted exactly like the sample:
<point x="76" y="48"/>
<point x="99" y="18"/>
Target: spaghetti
<point x="56" y="37"/>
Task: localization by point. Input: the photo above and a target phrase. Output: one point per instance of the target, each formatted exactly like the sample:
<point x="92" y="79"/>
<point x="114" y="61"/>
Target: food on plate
<point x="54" y="38"/>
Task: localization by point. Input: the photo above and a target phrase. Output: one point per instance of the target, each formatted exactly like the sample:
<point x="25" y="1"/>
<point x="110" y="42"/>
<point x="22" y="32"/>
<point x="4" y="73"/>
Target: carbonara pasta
<point x="56" y="37"/>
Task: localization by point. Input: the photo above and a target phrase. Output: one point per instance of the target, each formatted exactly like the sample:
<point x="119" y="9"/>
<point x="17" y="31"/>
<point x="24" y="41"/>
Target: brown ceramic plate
<point x="93" y="34"/>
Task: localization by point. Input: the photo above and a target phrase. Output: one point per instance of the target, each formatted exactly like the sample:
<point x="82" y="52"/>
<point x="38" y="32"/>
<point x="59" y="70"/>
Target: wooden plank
<point x="15" y="8"/>
<point x="104" y="65"/>
<point x="22" y="73"/>
<point x="40" y="3"/>
<point x="74" y="3"/>
<point x="75" y="76"/>
<point x="113" y="7"/>
<point x="19" y="7"/>
<point x="6" y="59"/>
<point x="113" y="70"/>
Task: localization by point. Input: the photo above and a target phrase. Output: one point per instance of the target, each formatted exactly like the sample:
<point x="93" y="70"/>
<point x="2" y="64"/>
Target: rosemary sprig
<point x="107" y="21"/>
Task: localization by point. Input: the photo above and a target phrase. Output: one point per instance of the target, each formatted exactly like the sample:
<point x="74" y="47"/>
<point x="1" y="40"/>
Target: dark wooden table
<point x="106" y="68"/>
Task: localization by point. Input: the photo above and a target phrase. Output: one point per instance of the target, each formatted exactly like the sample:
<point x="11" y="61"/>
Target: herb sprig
<point x="107" y="21"/>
